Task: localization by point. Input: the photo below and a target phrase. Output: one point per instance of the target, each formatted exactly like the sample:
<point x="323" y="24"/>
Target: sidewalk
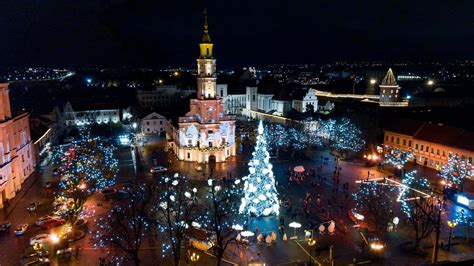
<point x="12" y="203"/>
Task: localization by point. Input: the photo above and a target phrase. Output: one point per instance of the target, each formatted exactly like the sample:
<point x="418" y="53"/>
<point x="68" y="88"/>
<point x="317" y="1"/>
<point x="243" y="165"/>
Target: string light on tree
<point x="397" y="157"/>
<point x="455" y="170"/>
<point x="260" y="194"/>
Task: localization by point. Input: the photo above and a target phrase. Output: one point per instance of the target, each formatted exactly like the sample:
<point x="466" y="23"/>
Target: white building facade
<point x="153" y="123"/>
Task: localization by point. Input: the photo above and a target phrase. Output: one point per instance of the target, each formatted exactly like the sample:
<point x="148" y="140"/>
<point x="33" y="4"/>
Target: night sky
<point x="158" y="33"/>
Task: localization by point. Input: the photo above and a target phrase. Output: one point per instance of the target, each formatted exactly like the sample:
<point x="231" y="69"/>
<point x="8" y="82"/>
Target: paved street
<point x="347" y="243"/>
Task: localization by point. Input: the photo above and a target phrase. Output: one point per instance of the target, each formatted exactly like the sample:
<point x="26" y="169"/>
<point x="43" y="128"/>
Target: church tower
<point x="206" y="134"/>
<point x="5" y="112"/>
<point x="389" y="89"/>
<point x="206" y="66"/>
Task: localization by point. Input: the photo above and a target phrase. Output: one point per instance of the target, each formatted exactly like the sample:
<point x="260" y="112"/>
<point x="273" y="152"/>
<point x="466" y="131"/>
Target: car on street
<point x="158" y="169"/>
<point x="33" y="206"/>
<point x="42" y="219"/>
<point x="52" y="223"/>
<point x="35" y="260"/>
<point x="5" y="226"/>
<point x="40" y="239"/>
<point x="21" y="229"/>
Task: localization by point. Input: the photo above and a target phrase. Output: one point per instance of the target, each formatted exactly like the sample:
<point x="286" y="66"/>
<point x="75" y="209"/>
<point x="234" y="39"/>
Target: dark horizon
<point x="149" y="34"/>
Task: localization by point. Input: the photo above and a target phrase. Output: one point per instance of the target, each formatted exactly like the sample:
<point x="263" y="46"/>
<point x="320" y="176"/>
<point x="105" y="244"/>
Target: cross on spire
<point x="206" y="38"/>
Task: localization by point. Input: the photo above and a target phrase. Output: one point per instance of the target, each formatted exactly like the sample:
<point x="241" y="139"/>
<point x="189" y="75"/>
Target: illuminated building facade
<point x="206" y="134"/>
<point x="17" y="161"/>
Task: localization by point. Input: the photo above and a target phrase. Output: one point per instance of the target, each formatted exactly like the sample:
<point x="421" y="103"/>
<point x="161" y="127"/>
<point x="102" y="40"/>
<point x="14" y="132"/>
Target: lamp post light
<point x="373" y="81"/>
<point x="194" y="258"/>
<point x="451" y="225"/>
<point x="311" y="243"/>
<point x="54" y="239"/>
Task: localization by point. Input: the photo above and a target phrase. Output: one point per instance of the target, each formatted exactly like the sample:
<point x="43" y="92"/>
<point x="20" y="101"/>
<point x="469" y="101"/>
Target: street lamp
<point x="451" y="225"/>
<point x="430" y="82"/>
<point x="54" y="239"/>
<point x="373" y="81"/>
<point x="194" y="258"/>
<point x="311" y="243"/>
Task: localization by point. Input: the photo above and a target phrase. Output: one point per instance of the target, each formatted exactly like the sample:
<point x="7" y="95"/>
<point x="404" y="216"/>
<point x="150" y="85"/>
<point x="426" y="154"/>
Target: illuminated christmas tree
<point x="455" y="170"/>
<point x="261" y="196"/>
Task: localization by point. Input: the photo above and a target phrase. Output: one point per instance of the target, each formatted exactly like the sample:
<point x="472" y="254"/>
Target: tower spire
<point x="205" y="37"/>
<point x="389" y="78"/>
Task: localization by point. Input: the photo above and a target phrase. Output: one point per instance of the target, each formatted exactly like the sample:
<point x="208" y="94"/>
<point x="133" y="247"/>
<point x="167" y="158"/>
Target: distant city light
<point x="89" y="80"/>
<point x="408" y="97"/>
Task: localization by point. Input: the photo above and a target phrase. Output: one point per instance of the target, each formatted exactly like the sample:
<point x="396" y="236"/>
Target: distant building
<point x="430" y="143"/>
<point x="206" y="134"/>
<point x="163" y="95"/>
<point x="17" y="159"/>
<point x="304" y="99"/>
<point x="83" y="114"/>
<point x="390" y="91"/>
<point x="153" y="123"/>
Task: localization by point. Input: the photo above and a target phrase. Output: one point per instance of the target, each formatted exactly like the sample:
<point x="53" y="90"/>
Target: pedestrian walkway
<point x="8" y="209"/>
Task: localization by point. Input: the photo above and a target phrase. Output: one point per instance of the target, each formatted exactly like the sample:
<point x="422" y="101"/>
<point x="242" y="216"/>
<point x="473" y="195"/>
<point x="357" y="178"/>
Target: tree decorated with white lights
<point x="374" y="201"/>
<point x="125" y="225"/>
<point x="455" y="170"/>
<point x="296" y="139"/>
<point x="465" y="219"/>
<point x="219" y="219"/>
<point x="311" y="136"/>
<point x="260" y="194"/>
<point x="418" y="205"/>
<point x="175" y="213"/>
<point x="277" y="137"/>
<point x="397" y="157"/>
<point x="346" y="136"/>
<point x="85" y="166"/>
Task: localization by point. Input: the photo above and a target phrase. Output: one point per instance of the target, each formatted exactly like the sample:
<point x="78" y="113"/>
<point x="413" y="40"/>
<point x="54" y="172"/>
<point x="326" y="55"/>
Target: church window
<point x="207" y="51"/>
<point x="189" y="155"/>
<point x="210" y="144"/>
<point x="254" y="97"/>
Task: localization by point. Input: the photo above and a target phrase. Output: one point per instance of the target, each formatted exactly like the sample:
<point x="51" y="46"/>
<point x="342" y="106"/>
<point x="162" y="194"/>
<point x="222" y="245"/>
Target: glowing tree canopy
<point x="276" y="136"/>
<point x="413" y="188"/>
<point x="396" y="157"/>
<point x="261" y="196"/>
<point x="374" y="201"/>
<point x="455" y="170"/>
<point x="347" y="136"/>
<point x="86" y="165"/>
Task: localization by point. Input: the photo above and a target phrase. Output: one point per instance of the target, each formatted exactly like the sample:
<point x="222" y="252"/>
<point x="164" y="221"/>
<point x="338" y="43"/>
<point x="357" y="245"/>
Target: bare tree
<point x="222" y="204"/>
<point x="175" y="212"/>
<point x="374" y="201"/>
<point x="126" y="223"/>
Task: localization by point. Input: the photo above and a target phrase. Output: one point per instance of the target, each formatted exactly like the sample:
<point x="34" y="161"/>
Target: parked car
<point x="5" y="226"/>
<point x="42" y="219"/>
<point x="52" y="223"/>
<point x="33" y="206"/>
<point x="21" y="229"/>
<point x="40" y="239"/>
<point x="158" y="169"/>
<point x="35" y="260"/>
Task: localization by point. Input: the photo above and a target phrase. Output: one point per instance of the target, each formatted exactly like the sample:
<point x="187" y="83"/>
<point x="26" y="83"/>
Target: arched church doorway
<point x="212" y="160"/>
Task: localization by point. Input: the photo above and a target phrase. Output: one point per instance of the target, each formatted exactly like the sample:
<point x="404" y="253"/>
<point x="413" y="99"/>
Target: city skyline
<point x="151" y="34"/>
